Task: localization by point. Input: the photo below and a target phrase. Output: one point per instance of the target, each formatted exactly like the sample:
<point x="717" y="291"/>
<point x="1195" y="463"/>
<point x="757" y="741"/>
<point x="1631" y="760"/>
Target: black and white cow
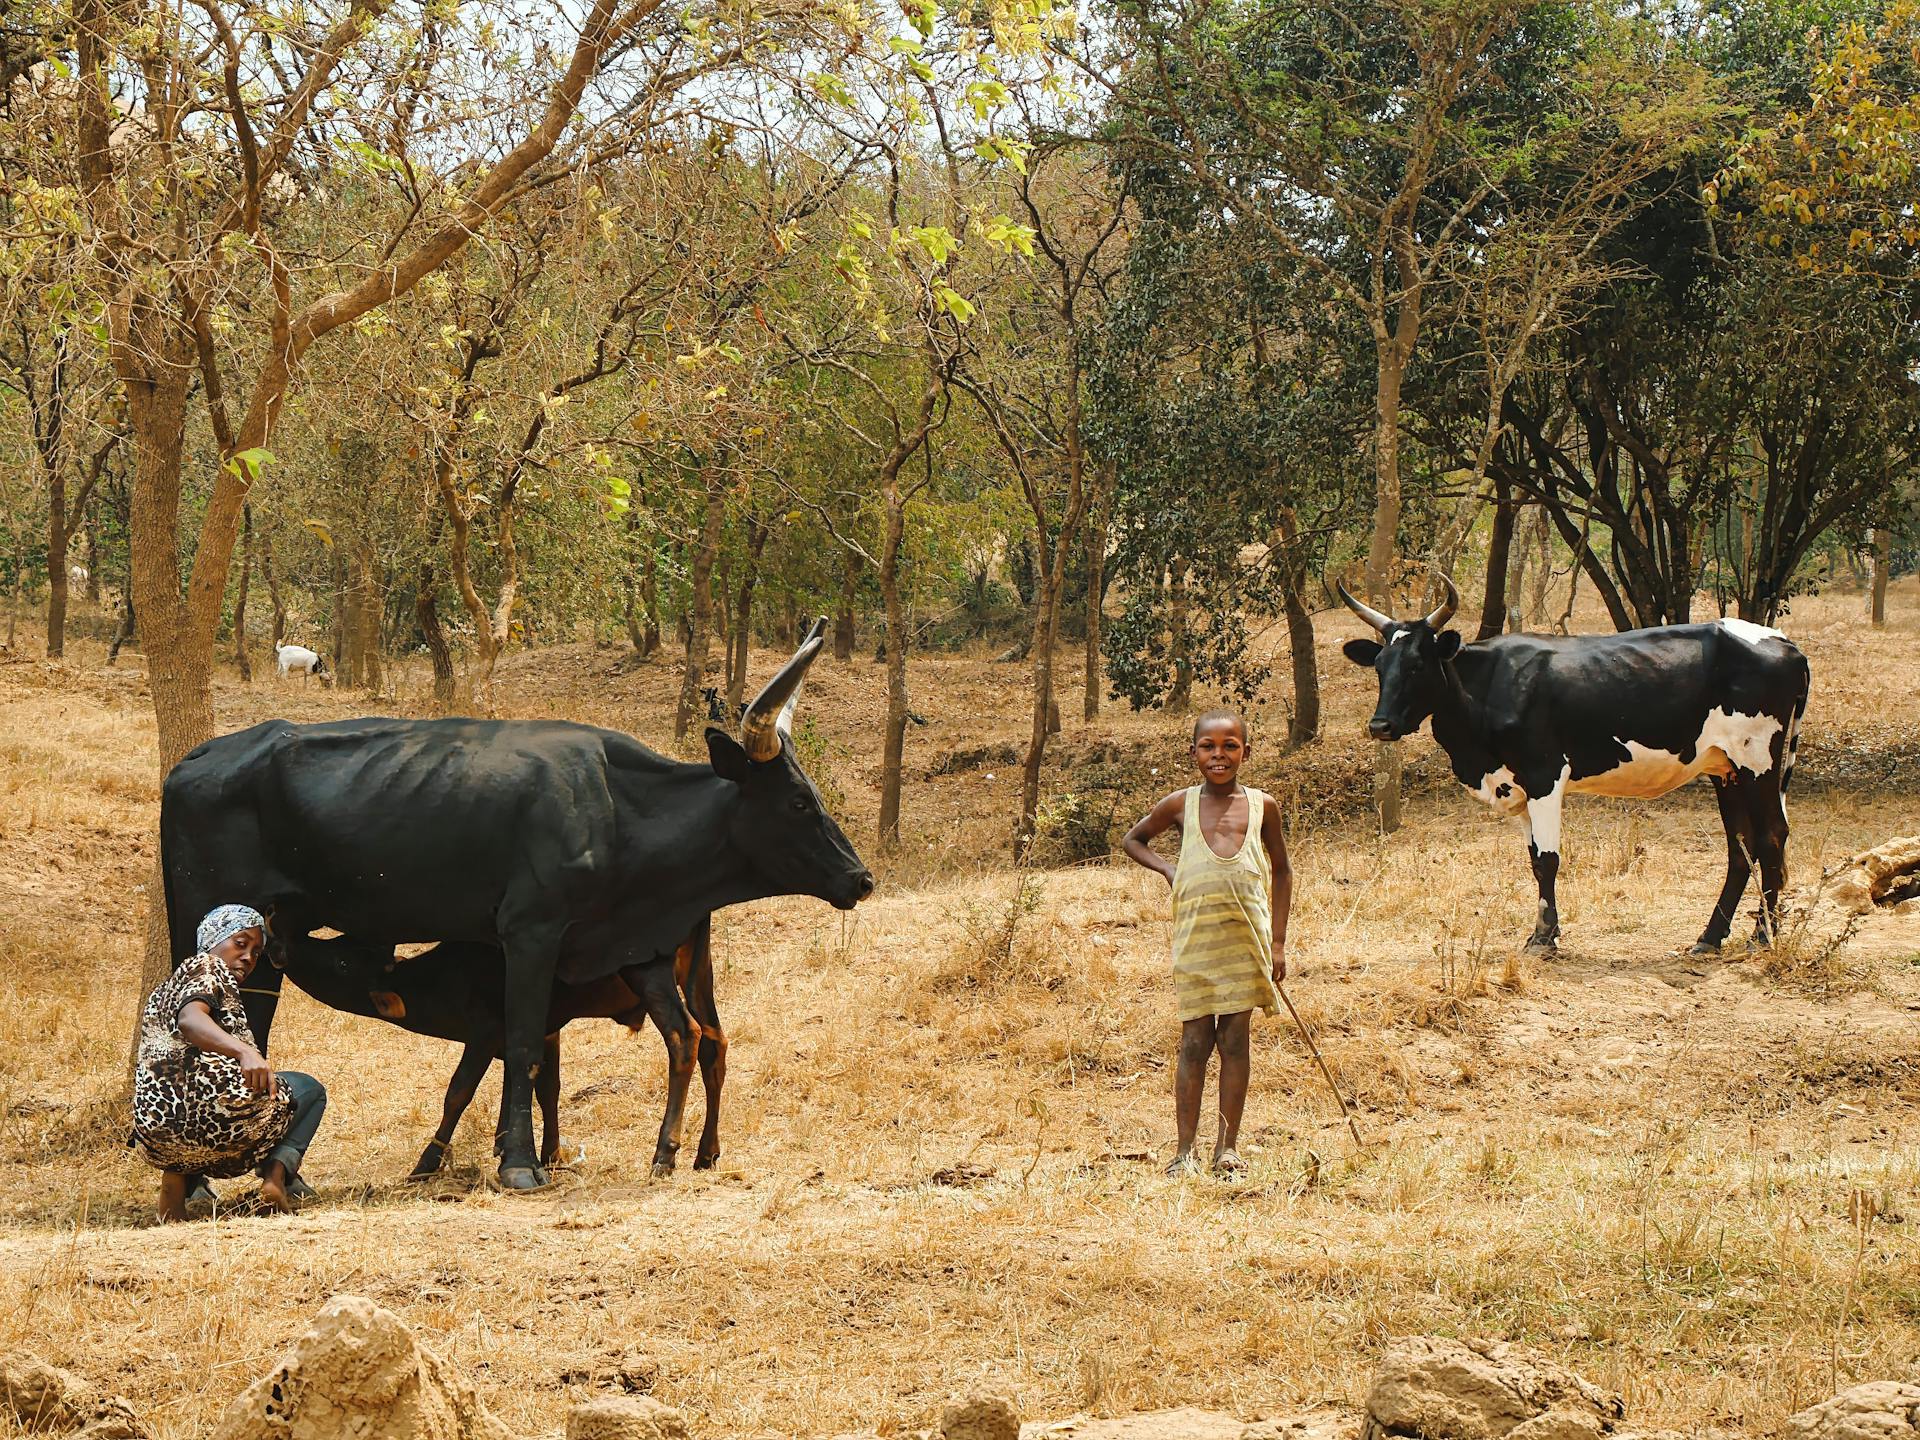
<point x="1528" y="719"/>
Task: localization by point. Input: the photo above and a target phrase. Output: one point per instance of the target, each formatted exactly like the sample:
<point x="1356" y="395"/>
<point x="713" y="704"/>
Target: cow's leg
<point x="546" y="1089"/>
<point x="1768" y="807"/>
<point x="1736" y="815"/>
<point x="532" y="952"/>
<point x="668" y="1011"/>
<point x="1543" y="849"/>
<point x="713" y="1045"/>
<point x="467" y="1076"/>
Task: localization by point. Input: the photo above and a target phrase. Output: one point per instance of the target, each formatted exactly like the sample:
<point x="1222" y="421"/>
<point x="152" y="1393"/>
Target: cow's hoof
<point x="1705" y="947"/>
<point x="663" y="1169"/>
<point x="522" y="1177"/>
<point x="1538" y="945"/>
<point x="706" y="1162"/>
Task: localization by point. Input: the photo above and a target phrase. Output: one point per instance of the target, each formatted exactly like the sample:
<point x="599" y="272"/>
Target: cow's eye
<point x="800" y="803"/>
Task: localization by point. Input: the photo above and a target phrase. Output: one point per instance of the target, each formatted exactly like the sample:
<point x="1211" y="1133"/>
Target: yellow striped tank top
<point x="1223" y="919"/>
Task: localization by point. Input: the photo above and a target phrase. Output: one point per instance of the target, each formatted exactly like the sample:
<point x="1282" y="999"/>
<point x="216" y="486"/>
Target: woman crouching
<point x="205" y="1101"/>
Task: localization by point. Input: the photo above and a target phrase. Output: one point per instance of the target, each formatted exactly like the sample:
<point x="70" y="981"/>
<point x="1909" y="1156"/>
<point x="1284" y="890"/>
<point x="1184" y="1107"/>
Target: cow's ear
<point x="1361" y="652"/>
<point x="729" y="758"/>
<point x="1449" y="644"/>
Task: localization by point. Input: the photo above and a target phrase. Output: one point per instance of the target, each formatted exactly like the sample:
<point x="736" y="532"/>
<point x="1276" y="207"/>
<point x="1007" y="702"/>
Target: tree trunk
<point x="125" y="631"/>
<point x="1882" y="563"/>
<point x="1179" y="641"/>
<point x="1305" y="724"/>
<point x="56" y="562"/>
<point x="426" y="612"/>
<point x="1542" y="575"/>
<point x="650" y="603"/>
<point x="274" y="598"/>
<point x="894" y="741"/>
<point x="367" y="610"/>
<point x="340" y="618"/>
<point x="179" y="670"/>
<point x="843" y="627"/>
<point x="1099" y="516"/>
<point x="240" y="656"/>
<point x="700" y="605"/>
<point x="1046" y="619"/>
<point x="757" y="531"/>
<point x="1380" y="552"/>
<point x="1493" y="602"/>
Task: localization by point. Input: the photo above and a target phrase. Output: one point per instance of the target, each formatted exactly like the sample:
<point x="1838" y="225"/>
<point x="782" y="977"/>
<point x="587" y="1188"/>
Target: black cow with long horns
<point x="578" y="851"/>
<point x="1528" y="719"/>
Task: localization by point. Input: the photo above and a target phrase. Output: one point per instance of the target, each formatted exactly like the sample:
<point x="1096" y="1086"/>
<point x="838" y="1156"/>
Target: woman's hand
<point x="254" y="1070"/>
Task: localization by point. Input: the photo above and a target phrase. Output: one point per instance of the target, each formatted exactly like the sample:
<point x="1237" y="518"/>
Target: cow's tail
<point x="1793" y="721"/>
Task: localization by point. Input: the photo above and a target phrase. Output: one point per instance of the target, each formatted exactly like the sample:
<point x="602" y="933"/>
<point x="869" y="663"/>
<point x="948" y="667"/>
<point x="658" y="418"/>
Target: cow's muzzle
<point x="1381" y="729"/>
<point x="862" y="888"/>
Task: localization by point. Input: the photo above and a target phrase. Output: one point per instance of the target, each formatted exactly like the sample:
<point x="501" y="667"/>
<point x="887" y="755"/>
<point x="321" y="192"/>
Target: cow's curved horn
<point x="770" y="717"/>
<point x="1366" y="612"/>
<point x="1444" y="611"/>
<point x="783" y="726"/>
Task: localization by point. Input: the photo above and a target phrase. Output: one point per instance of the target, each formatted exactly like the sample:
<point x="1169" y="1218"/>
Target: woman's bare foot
<point x="172" y="1208"/>
<point x="273" y="1188"/>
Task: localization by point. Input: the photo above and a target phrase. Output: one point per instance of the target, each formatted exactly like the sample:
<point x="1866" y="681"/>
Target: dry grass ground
<point x="1695" y="1181"/>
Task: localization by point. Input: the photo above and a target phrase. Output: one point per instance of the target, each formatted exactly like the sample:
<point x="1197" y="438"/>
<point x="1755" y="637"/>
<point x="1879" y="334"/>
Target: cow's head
<point x="779" y="823"/>
<point x="336" y="969"/>
<point x="1410" y="657"/>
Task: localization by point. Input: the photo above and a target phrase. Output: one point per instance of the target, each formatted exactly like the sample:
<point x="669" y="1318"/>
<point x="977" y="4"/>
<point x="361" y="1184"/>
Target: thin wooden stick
<point x="1346" y="1110"/>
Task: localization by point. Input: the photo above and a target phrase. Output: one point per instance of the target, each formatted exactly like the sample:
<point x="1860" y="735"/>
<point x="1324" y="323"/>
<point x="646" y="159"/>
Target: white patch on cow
<point x="1727" y="741"/>
<point x="1493" y="783"/>
<point x="1746" y="740"/>
<point x="1748" y="631"/>
<point x="1398" y="636"/>
<point x="1543" y="816"/>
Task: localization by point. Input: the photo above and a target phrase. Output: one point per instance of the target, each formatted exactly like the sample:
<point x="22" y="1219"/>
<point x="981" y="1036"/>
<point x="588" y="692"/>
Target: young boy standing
<point x="1232" y="891"/>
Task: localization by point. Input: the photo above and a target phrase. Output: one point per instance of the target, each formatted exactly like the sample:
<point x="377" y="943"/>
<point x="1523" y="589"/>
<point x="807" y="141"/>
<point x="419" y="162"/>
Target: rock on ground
<point x="1433" y="1388"/>
<point x="625" y="1417"/>
<point x="45" y="1398"/>
<point x="1195" y="1424"/>
<point x="359" y="1374"/>
<point x="1878" y="1410"/>
<point x="980" y="1417"/>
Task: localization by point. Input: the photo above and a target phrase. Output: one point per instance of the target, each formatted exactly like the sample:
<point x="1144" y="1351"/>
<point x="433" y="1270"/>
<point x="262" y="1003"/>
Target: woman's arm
<point x="200" y="1030"/>
<point x="1166" y="815"/>
<point x="1274" y="837"/>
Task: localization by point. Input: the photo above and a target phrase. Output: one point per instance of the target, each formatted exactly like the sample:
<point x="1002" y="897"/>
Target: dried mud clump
<point x="1878" y="1410"/>
<point x="980" y="1417"/>
<point x="46" y="1400"/>
<point x="357" y="1374"/>
<point x="1888" y="874"/>
<point x="625" y="1417"/>
<point x="1430" y="1388"/>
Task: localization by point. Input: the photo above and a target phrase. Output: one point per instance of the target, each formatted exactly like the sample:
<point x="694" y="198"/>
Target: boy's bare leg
<point x="1189" y="1083"/>
<point x="1235" y="1042"/>
<point x="173" y="1197"/>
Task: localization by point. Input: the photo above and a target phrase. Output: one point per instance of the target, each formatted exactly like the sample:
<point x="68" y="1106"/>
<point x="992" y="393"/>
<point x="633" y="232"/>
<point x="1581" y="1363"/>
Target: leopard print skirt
<point x="192" y="1111"/>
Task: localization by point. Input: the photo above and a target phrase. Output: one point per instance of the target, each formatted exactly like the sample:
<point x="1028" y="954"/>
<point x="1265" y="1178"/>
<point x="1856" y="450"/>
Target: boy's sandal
<point x="201" y="1201"/>
<point x="1229" y="1166"/>
<point x="1180" y="1167"/>
<point x="298" y="1190"/>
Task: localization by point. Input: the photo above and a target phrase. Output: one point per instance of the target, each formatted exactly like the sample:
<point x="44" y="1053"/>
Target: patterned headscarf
<point x="226" y="921"/>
